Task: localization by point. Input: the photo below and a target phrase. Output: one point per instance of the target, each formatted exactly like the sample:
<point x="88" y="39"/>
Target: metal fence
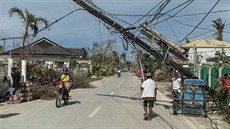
<point x="211" y="74"/>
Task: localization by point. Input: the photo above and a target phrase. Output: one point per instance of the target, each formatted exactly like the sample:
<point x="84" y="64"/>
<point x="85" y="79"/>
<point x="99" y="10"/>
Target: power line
<point x="173" y="31"/>
<point x="46" y="27"/>
<point x="156" y="16"/>
<point x="182" y="23"/>
<point x="200" y="21"/>
<point x="176" y="12"/>
<point x="194" y="14"/>
<point x="199" y="35"/>
<point x="158" y="11"/>
<point x="59" y="19"/>
<point x="103" y="11"/>
<point x="9" y="38"/>
<point x="148" y="13"/>
<point x="182" y="15"/>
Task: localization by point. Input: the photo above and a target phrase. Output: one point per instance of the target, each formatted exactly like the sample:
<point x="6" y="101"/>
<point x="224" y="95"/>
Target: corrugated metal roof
<point x="207" y="44"/>
<point x="45" y="46"/>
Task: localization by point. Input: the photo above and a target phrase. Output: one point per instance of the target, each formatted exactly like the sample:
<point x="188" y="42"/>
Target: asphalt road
<point x="114" y="104"/>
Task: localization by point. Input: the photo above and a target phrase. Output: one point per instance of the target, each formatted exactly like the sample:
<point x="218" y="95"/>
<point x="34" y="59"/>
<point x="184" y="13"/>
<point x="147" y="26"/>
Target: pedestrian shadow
<point x="120" y="96"/>
<point x="167" y="123"/>
<point x="2" y="116"/>
<point x="153" y="115"/>
<point x="157" y="103"/>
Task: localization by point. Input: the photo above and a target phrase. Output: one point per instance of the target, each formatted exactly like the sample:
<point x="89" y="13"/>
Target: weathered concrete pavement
<point x="114" y="104"/>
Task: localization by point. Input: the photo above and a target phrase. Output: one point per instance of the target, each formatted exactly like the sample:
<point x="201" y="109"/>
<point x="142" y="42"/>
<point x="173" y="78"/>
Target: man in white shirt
<point x="149" y="95"/>
<point x="176" y="83"/>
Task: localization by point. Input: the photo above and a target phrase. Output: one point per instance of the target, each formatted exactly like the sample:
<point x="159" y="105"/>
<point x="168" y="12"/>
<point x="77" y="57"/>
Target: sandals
<point x="10" y="102"/>
<point x="146" y="116"/>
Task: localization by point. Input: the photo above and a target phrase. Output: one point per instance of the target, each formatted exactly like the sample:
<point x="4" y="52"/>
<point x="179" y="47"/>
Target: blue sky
<point x="81" y="29"/>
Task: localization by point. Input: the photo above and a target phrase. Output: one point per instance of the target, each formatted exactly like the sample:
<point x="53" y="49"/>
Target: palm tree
<point x="219" y="28"/>
<point x="219" y="34"/>
<point x="30" y="22"/>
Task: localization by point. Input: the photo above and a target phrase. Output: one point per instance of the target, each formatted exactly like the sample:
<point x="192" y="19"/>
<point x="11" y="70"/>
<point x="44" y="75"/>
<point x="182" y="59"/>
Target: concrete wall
<point x="204" y="53"/>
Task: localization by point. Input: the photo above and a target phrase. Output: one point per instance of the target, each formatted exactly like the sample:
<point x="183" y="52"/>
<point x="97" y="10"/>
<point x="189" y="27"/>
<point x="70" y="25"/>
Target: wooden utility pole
<point x="162" y="44"/>
<point x="155" y="37"/>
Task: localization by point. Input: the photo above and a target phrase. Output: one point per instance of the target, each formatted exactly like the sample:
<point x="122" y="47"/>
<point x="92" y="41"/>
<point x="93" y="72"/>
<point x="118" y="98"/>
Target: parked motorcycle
<point x="62" y="94"/>
<point x="4" y="90"/>
<point x="4" y="95"/>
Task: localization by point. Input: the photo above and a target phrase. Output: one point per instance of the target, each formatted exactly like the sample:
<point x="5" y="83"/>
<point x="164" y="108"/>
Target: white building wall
<point x="204" y="53"/>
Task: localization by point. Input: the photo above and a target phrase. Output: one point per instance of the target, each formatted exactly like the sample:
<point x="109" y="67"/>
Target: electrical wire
<point x="200" y="21"/>
<point x="104" y="12"/>
<point x="173" y="31"/>
<point x="160" y="9"/>
<point x="187" y="2"/>
<point x="46" y="27"/>
<point x="194" y="14"/>
<point x="147" y="13"/>
<point x="182" y="23"/>
<point x="200" y="35"/>
<point x="182" y="15"/>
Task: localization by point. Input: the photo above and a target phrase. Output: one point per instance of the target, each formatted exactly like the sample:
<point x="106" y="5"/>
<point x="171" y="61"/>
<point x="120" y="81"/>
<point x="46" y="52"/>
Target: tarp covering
<point x="207" y="44"/>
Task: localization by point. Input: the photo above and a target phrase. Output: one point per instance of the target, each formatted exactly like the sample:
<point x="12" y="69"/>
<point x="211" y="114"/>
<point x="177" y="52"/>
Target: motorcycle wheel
<point x="66" y="98"/>
<point x="58" y="100"/>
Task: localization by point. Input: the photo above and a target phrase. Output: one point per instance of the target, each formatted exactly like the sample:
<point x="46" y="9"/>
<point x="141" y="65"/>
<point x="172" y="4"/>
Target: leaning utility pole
<point x="162" y="38"/>
<point x="155" y="37"/>
<point x="133" y="38"/>
<point x="137" y="41"/>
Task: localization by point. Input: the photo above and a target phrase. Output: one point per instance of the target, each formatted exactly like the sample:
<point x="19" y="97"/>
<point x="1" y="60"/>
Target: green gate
<point x="204" y="74"/>
<point x="214" y="75"/>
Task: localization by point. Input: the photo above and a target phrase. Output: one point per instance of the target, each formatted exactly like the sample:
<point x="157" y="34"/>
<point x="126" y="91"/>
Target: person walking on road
<point x="14" y="89"/>
<point x="148" y="95"/>
<point x="176" y="84"/>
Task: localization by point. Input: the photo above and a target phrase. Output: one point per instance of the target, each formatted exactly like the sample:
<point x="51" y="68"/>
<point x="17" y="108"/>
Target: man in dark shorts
<point x="149" y="95"/>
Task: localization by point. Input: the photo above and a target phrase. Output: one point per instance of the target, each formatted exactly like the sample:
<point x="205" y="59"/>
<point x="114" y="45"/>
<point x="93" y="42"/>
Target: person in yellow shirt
<point x="66" y="78"/>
